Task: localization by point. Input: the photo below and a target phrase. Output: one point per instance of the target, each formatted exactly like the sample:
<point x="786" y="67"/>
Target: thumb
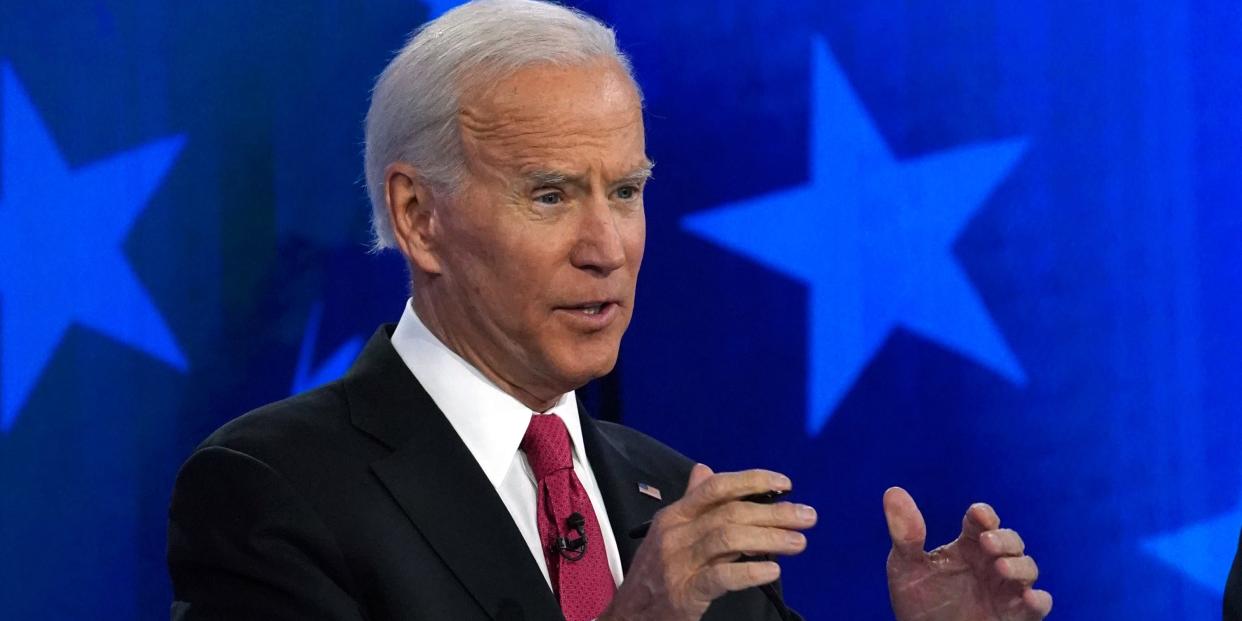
<point x="698" y="474"/>
<point x="905" y="523"/>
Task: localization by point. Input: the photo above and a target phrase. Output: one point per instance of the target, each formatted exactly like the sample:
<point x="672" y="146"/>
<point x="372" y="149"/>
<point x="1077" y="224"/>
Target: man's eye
<point x="551" y="198"/>
<point x="626" y="193"/>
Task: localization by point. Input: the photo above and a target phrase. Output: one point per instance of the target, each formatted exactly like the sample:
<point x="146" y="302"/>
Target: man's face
<point x="539" y="251"/>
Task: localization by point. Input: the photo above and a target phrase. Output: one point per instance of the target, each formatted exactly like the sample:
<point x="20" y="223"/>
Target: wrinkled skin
<point x="983" y="575"/>
<point x="549" y="217"/>
<point x="687" y="558"/>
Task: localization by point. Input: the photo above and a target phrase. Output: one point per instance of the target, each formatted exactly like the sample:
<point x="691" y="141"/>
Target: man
<point x="451" y="473"/>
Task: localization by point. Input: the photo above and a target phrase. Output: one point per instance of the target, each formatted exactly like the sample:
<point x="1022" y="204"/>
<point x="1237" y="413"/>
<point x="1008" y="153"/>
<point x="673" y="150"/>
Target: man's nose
<point x="600" y="247"/>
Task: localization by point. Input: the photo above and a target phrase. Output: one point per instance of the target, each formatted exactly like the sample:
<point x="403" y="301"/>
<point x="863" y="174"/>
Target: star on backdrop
<point x="872" y="239"/>
<point x="1203" y="551"/>
<point x="61" y="233"/>
<point x="306" y="378"/>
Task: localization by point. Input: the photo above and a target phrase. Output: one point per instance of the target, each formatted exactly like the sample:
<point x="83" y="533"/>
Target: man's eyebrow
<point x="640" y="174"/>
<point x="559" y="177"/>
<point x="548" y="177"/>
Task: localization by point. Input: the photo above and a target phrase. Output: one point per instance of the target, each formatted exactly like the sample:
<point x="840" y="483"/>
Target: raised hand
<point x="687" y="559"/>
<point x="983" y="575"/>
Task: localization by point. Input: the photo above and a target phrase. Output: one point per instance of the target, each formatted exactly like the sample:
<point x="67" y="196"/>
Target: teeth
<point x="592" y="310"/>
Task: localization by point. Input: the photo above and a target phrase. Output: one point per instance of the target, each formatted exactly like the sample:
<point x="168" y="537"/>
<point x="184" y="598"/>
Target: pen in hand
<point x="765" y="498"/>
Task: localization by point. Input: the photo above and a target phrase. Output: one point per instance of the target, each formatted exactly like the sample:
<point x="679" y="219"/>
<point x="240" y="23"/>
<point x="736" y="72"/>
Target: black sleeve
<point x="1233" y="589"/>
<point x="790" y="613"/>
<point x="243" y="544"/>
<point x="779" y="610"/>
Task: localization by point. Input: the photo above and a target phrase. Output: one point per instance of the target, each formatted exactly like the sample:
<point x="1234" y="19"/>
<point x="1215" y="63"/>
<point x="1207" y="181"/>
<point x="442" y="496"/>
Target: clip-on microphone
<point x="572" y="549"/>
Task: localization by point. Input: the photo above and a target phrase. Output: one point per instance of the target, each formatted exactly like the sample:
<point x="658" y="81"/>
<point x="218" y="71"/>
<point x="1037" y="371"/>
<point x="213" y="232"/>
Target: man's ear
<point x="412" y="213"/>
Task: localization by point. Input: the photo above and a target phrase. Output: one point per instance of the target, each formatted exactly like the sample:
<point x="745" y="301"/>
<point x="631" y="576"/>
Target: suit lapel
<point x="439" y="485"/>
<point x="618" y="476"/>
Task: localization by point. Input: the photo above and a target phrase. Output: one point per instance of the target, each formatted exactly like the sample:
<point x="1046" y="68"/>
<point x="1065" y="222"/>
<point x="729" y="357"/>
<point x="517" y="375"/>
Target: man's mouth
<point x="593" y="314"/>
<point x="591" y="308"/>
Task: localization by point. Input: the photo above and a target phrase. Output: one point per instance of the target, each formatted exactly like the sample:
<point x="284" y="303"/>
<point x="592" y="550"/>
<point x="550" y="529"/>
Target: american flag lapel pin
<point x="650" y="490"/>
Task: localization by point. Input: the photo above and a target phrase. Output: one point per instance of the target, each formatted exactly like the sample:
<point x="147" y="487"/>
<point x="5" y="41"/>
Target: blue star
<point x="305" y="378"/>
<point x="872" y="239"/>
<point x="1203" y="551"/>
<point x="61" y="233"/>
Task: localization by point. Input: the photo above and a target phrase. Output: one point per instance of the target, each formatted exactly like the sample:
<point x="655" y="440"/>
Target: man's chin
<point x="580" y="371"/>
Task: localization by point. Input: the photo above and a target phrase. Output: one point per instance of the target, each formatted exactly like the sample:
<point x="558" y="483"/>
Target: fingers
<point x="1030" y="605"/>
<point x="905" y="523"/>
<point x="1017" y="569"/>
<point x="717" y="580"/>
<point x="980" y="517"/>
<point x="781" y="515"/>
<point x="1022" y="569"/>
<point x="698" y="474"/>
<point x="736" y="528"/>
<point x="1002" y="542"/>
<point x="1038" y="602"/>
<point x="685" y="561"/>
<point x="1010" y="563"/>
<point x="1003" y="561"/>
<point x="729" y="542"/>
<point x="719" y="488"/>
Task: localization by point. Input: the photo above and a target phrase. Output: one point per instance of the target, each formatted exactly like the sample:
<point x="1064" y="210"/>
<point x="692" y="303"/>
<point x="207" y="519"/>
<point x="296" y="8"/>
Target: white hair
<point x="414" y="106"/>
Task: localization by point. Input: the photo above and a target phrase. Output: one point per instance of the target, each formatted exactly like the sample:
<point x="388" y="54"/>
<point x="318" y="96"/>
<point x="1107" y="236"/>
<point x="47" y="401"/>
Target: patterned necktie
<point x="573" y="545"/>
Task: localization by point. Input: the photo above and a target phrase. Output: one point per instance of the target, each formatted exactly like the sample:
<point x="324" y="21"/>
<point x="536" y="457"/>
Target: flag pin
<point x="650" y="490"/>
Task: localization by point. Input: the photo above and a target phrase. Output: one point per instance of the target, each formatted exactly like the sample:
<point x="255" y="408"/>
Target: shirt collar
<point x="489" y="421"/>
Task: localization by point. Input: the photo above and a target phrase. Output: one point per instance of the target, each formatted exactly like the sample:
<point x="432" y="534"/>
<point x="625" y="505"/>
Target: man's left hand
<point x="984" y="575"/>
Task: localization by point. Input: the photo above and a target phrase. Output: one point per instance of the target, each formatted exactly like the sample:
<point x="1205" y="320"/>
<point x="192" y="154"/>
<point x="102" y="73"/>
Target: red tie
<point x="580" y="575"/>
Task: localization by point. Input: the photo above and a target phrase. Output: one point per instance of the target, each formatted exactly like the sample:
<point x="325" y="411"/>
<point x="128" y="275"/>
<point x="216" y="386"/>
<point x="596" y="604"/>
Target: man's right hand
<point x="687" y="559"/>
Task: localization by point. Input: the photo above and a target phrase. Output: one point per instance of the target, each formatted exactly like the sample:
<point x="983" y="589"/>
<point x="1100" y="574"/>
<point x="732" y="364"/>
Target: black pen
<point x="764" y="498"/>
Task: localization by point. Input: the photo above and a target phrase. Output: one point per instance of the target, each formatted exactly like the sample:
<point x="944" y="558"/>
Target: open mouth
<point x="592" y="311"/>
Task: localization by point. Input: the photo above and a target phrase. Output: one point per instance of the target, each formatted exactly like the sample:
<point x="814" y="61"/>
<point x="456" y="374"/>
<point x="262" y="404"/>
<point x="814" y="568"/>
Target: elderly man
<point x="452" y="474"/>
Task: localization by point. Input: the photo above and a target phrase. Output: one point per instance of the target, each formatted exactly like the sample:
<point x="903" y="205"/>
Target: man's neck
<point x="430" y="315"/>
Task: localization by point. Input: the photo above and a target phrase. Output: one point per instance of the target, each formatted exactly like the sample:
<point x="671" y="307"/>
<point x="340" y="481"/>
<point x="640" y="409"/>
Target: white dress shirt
<point x="492" y="424"/>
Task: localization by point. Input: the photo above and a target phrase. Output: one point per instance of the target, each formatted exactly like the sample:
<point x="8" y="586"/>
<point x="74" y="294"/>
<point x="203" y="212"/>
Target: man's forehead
<point x="552" y="121"/>
<point x="540" y="121"/>
<point x="546" y="92"/>
<point x="569" y="149"/>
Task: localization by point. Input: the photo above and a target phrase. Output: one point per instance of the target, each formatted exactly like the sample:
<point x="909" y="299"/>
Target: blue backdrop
<point x="984" y="250"/>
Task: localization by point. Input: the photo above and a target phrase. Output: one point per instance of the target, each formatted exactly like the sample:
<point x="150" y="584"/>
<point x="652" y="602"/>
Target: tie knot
<point x="546" y="445"/>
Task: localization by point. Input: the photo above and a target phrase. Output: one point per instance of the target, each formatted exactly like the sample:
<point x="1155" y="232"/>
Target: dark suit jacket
<point x="357" y="500"/>
<point x="1233" y="588"/>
